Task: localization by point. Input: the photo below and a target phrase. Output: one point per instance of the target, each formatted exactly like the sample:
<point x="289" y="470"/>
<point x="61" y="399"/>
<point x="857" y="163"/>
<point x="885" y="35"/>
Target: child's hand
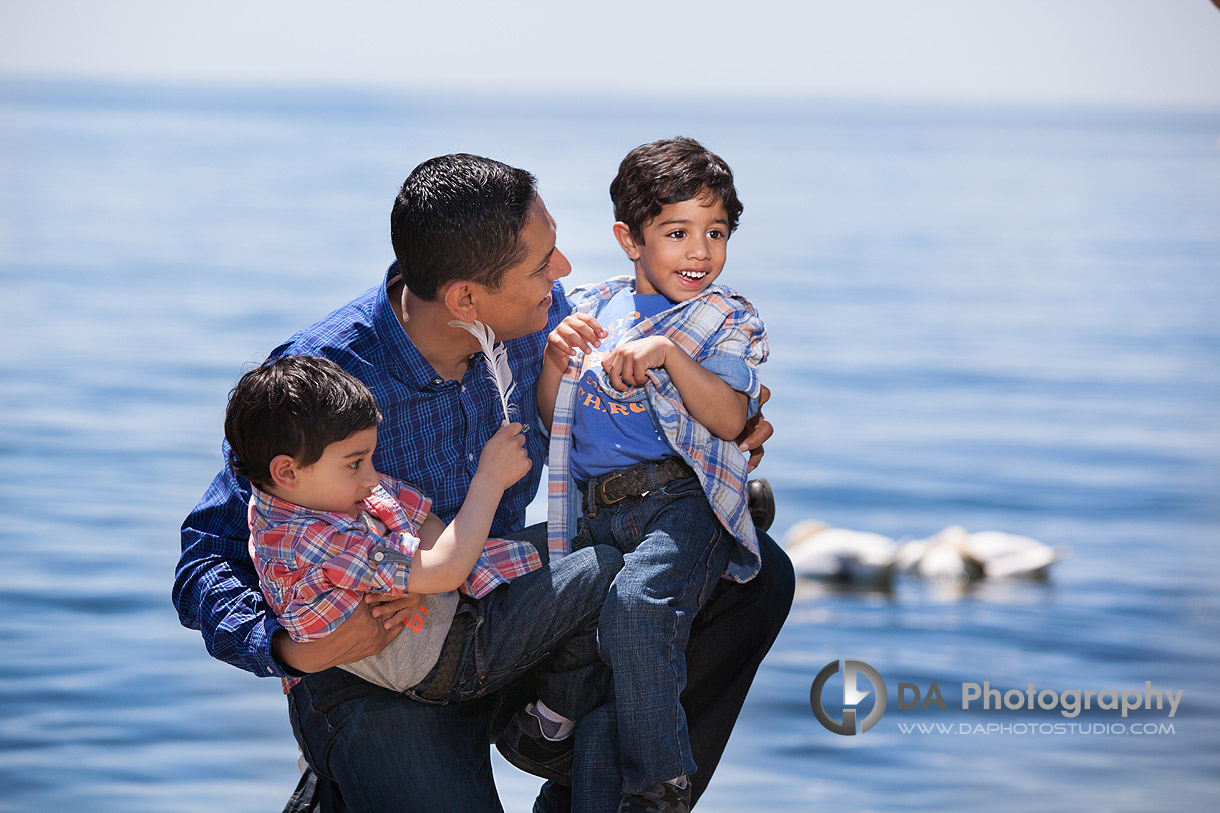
<point x="578" y="331"/>
<point x="628" y="365"/>
<point x="503" y="458"/>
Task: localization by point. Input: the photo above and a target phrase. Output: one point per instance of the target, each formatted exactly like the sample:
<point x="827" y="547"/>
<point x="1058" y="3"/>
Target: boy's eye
<point x="677" y="233"/>
<point x="715" y="234"/>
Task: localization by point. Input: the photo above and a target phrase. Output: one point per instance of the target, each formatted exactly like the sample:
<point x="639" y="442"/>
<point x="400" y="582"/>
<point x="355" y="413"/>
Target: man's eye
<point x="356" y="464"/>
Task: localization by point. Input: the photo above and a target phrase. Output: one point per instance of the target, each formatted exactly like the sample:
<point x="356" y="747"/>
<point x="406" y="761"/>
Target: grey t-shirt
<point x="410" y="656"/>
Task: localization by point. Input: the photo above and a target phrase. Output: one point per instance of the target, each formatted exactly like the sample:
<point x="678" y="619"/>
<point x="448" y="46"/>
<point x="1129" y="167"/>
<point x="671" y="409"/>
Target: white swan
<point x="956" y="555"/>
<point x="819" y="551"/>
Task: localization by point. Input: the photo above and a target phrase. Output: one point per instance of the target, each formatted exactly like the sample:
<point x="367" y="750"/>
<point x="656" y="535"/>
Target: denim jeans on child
<point x="543" y="622"/>
<point x="343" y="723"/>
<point x="675" y="550"/>
<point x="355" y="734"/>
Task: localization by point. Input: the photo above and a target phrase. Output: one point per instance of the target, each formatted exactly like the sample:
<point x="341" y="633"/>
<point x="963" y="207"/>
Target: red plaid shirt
<point x="314" y="566"/>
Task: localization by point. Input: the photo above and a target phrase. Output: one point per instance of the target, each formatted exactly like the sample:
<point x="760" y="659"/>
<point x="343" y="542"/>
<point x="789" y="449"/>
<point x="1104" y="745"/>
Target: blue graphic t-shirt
<point x="608" y="435"/>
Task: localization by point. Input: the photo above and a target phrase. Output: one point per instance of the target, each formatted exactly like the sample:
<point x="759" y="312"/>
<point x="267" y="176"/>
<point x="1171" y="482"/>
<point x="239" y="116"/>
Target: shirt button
<point x="470" y="457"/>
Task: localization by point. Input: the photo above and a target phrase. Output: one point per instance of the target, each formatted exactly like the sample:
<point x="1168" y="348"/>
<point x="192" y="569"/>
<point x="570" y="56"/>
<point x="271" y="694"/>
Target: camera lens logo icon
<point x="852" y="696"/>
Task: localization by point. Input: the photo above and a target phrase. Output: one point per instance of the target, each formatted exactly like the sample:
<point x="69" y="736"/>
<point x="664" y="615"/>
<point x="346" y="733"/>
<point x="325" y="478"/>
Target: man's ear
<point x="459" y="297"/>
<point x="622" y="233"/>
<point x="284" y="472"/>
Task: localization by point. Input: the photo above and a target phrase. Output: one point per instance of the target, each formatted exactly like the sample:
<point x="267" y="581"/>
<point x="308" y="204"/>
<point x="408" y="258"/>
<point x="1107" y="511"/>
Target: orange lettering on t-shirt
<point x="637" y="407"/>
<point x="416" y="622"/>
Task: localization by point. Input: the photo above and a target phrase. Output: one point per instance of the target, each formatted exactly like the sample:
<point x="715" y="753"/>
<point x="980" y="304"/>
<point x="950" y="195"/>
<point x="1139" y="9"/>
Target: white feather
<point x="496" y="357"/>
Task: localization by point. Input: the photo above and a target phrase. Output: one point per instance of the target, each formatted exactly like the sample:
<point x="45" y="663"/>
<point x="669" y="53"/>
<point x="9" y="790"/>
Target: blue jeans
<point x="675" y="550"/>
<point x="358" y="729"/>
<point x="507" y="636"/>
<point x="343" y="723"/>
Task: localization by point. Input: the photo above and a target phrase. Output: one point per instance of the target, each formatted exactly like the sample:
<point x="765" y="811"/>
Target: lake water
<point x="998" y="318"/>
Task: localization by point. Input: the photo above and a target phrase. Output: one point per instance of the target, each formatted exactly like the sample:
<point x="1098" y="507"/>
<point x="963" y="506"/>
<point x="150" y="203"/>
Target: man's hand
<point x="359" y="636"/>
<point x="393" y="610"/>
<point x="758" y="430"/>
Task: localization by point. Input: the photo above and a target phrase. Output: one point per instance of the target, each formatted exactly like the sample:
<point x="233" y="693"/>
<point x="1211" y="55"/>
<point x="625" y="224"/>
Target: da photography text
<point x="865" y="696"/>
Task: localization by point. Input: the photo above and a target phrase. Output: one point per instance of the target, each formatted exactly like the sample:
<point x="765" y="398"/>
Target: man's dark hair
<point x="460" y="217"/>
<point x="295" y="405"/>
<point x="670" y="171"/>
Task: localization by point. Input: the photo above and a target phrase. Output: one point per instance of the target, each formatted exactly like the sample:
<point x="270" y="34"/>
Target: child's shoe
<point x="523" y="745"/>
<point x="667" y="797"/>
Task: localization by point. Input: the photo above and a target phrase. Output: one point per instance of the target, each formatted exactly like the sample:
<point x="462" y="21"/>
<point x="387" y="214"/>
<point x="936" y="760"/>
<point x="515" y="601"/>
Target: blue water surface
<point x="997" y="318"/>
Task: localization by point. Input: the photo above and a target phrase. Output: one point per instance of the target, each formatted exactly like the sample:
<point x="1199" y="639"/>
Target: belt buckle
<point x="601" y="490"/>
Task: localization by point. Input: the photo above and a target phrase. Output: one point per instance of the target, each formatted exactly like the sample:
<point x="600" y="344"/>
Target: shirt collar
<point x="271" y="511"/>
<point x="410" y="367"/>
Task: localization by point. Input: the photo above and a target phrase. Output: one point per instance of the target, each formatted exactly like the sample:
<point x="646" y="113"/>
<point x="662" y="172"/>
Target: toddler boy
<point x="326" y="527"/>
<point x="643" y="427"/>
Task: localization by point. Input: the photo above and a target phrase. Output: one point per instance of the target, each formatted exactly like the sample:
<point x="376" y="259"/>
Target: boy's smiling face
<point x="683" y="250"/>
<point x="338" y="481"/>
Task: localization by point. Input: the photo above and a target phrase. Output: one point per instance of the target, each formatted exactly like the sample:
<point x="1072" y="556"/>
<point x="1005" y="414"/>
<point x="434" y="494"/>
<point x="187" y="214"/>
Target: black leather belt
<point x="439" y="681"/>
<point x="637" y="480"/>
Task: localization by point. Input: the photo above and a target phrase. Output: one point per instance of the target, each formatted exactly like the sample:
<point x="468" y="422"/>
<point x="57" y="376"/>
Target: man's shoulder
<point x="348" y="326"/>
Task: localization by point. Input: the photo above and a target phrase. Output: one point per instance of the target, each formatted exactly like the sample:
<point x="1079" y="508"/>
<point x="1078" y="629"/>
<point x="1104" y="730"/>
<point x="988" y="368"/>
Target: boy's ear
<point x="622" y="233"/>
<point x="284" y="472"/>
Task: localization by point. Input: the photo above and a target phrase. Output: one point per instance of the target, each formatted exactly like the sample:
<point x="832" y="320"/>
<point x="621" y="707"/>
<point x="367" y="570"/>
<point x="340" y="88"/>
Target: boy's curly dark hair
<point x="295" y="405"/>
<point x="670" y="171"/>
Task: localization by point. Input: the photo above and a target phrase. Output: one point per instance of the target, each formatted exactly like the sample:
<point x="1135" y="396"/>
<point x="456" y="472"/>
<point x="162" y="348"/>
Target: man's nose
<point x="560" y="267"/>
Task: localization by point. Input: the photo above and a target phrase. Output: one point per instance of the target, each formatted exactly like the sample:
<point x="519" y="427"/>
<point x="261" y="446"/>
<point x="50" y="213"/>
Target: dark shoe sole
<point x="762" y="503"/>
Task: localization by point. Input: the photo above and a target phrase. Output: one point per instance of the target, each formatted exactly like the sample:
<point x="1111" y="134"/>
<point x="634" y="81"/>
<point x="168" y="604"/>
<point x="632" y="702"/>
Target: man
<point x="473" y="241"/>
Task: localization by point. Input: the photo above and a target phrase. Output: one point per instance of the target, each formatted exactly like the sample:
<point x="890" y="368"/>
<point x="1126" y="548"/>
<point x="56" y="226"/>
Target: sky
<point x="1144" y="53"/>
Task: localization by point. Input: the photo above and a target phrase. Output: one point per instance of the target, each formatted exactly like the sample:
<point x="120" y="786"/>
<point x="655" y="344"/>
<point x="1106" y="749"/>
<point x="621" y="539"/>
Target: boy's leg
<point x="385" y="752"/>
<point x="544" y="621"/>
<point x="646" y="620"/>
<point x="730" y="637"/>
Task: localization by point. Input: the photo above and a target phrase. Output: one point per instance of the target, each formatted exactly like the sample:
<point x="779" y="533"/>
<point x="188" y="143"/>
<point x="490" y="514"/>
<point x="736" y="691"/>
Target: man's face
<point x="519" y="306"/>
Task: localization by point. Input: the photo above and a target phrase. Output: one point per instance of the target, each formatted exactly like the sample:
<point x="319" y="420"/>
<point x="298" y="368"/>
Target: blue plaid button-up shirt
<point x="722" y="331"/>
<point x="431" y="436"/>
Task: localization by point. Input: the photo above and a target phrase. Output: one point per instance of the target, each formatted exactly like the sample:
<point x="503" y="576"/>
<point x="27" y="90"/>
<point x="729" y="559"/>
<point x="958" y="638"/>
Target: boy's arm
<point x="446" y="555"/>
<point x="706" y="396"/>
<point x="578" y="331"/>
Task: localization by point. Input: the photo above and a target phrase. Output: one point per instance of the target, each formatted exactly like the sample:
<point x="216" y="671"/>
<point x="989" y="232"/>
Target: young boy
<point x="644" y="429"/>
<point x="325" y="528"/>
